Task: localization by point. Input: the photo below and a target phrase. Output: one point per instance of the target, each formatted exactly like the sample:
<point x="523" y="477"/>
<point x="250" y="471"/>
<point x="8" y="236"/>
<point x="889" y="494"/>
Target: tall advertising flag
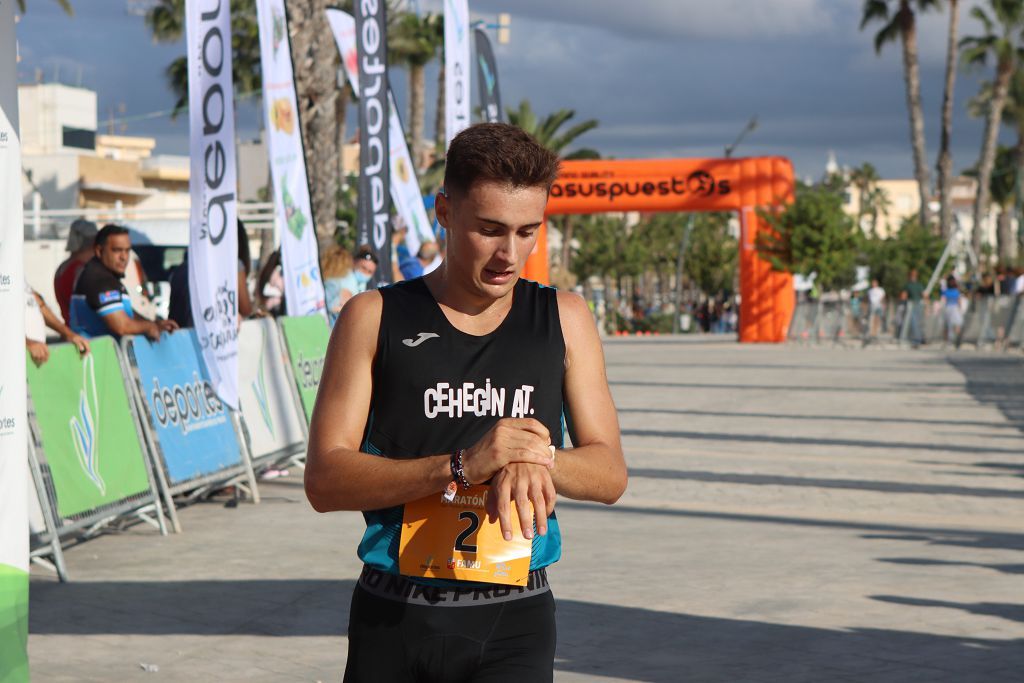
<point x="213" y="238"/>
<point x="374" y="208"/>
<point x="456" y="67"/>
<point x="405" y="189"/>
<point x="487" y="77"/>
<point x="303" y="286"/>
<point x="13" y="444"/>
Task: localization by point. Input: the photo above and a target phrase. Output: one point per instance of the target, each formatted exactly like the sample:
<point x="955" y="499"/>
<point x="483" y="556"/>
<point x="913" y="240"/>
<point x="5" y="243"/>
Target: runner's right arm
<point x="340" y="477"/>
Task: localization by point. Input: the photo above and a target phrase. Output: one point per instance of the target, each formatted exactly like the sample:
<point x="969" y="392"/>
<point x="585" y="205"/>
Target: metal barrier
<point x="190" y="432"/>
<point x="272" y="418"/>
<point x="305" y="338"/>
<point x="1015" y="323"/>
<point x="88" y="457"/>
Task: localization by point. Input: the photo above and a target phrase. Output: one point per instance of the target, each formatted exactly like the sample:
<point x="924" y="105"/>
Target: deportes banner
<point x="306" y="340"/>
<point x="303" y="286"/>
<point x="456" y="67"/>
<point x="405" y="189"/>
<point x="13" y="461"/>
<point x="213" y="242"/>
<point x="374" y="209"/>
<point x="487" y="77"/>
<point x="193" y="430"/>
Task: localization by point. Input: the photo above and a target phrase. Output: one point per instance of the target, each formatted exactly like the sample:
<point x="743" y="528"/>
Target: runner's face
<point x="492" y="230"/>
<point x="115" y="253"/>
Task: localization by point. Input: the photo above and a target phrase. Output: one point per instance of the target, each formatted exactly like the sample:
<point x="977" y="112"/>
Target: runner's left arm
<point x="594" y="469"/>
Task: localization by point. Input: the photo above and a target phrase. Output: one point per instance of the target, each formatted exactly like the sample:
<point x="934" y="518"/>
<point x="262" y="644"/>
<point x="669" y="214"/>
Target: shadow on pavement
<point x="286" y="607"/>
<point x="995" y="380"/>
<point x="647" y="645"/>
<point x="985" y="609"/>
<point x="929" y="562"/>
<point x="594" y="639"/>
<point x="817" y="441"/>
<point x="894" y="532"/>
<point x="852" y="484"/>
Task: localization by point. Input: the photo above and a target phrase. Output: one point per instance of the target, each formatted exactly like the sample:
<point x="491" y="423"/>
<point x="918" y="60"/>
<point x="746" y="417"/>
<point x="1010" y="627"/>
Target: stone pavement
<point x="793" y="514"/>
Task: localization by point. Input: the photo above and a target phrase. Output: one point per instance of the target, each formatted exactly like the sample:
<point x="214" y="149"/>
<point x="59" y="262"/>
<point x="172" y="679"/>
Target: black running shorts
<point x="402" y="642"/>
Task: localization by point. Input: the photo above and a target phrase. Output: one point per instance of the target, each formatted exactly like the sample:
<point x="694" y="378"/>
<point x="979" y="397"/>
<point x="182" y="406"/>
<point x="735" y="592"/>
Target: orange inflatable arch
<point x="689" y="185"/>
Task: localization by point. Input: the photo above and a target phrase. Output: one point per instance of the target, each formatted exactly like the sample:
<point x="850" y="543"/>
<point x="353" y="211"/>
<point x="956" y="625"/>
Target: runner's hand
<point x="167" y="325"/>
<point x="526" y="484"/>
<point x="522" y="440"/>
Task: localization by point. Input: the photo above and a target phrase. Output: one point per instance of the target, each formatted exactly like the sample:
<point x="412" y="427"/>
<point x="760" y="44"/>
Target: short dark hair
<point x="107" y="232"/>
<point x="498" y="152"/>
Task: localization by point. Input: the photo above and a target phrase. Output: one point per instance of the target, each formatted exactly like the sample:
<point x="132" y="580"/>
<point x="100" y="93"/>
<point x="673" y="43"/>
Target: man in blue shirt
<point x="100" y="304"/>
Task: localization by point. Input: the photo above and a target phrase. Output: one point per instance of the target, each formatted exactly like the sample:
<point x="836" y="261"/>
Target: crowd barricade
<point x="266" y="395"/>
<point x="802" y="323"/>
<point x="88" y="452"/>
<point x="195" y="439"/>
<point x="44" y="541"/>
<point x="305" y="339"/>
<point x="1015" y="323"/>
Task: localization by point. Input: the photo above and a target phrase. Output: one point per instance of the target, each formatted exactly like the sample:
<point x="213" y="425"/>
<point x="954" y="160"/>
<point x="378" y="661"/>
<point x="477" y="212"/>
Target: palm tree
<point x="1004" y="189"/>
<point x="548" y="131"/>
<point x="899" y="22"/>
<point x="1013" y="115"/>
<point x="877" y="204"/>
<point x="864" y="178"/>
<point x="944" y="166"/>
<point x="550" y="134"/>
<point x="64" y="5"/>
<point x="1003" y="42"/>
<point x="413" y="42"/>
<point x="315" y="58"/>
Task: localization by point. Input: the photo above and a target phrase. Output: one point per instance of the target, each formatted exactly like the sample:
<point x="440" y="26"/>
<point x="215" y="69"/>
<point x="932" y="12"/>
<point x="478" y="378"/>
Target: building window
<point x="79" y="138"/>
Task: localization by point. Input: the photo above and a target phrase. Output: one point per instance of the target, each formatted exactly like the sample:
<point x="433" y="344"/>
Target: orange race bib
<point x="454" y="540"/>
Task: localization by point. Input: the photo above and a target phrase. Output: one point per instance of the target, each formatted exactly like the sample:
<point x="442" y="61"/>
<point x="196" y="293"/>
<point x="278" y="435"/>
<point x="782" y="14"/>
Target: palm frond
<point x="890" y="33"/>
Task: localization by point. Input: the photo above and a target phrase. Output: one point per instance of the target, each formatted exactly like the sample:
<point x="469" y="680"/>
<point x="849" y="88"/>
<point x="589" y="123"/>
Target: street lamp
<point x="749" y="128"/>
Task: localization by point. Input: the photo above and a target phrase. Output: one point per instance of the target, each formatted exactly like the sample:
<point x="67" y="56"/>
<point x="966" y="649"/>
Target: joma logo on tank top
<point x="453" y="401"/>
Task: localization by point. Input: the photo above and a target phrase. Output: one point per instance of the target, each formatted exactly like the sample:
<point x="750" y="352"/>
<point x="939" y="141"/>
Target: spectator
<point x="80" y="238"/>
<point x="876" y="308"/>
<point x="951" y="308"/>
<point x="100" y="304"/>
<point x="912" y="294"/>
<point x="364" y="266"/>
<point x="429" y="256"/>
<point x="38" y="317"/>
<point x="270" y="286"/>
<point x="180" y="309"/>
<point x="336" y="264"/>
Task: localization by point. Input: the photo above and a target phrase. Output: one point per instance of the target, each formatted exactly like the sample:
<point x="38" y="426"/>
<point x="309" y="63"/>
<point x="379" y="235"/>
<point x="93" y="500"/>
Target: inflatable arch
<point x="689" y="185"/>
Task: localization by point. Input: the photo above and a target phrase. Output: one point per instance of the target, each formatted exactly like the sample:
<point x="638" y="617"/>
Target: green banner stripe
<point x="306" y="338"/>
<point x="13" y="624"/>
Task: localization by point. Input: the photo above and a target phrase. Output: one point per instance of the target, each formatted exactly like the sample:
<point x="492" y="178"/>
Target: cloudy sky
<point x="664" y="78"/>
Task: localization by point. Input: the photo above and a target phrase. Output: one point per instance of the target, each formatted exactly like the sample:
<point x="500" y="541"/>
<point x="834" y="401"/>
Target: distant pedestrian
<point x="951" y="308"/>
<point x="876" y="308"/>
<point x="912" y="295"/>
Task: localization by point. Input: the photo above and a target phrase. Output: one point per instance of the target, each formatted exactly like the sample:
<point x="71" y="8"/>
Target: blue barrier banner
<point x="190" y="422"/>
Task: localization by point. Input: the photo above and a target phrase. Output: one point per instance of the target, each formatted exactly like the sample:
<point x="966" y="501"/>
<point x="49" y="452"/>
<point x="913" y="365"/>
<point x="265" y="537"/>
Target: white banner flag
<point x="213" y="239"/>
<point x="14" y="480"/>
<point x="405" y="189"/>
<point x="456" y="67"/>
<point x="303" y="286"/>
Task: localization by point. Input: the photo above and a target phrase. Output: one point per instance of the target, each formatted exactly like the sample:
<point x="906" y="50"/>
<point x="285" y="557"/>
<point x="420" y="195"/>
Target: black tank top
<point x="437" y="389"/>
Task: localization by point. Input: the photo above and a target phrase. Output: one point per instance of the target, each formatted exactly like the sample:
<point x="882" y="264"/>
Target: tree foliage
<point x="812" y="235"/>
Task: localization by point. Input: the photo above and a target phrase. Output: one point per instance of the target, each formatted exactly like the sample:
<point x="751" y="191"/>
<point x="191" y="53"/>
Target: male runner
<point x="455" y="380"/>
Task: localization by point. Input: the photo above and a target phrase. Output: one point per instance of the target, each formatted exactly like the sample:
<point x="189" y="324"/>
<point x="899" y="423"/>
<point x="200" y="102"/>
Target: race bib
<point x="455" y="540"/>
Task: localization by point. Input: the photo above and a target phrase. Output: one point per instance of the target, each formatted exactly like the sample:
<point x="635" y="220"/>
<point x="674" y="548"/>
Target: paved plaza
<point x="793" y="514"/>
